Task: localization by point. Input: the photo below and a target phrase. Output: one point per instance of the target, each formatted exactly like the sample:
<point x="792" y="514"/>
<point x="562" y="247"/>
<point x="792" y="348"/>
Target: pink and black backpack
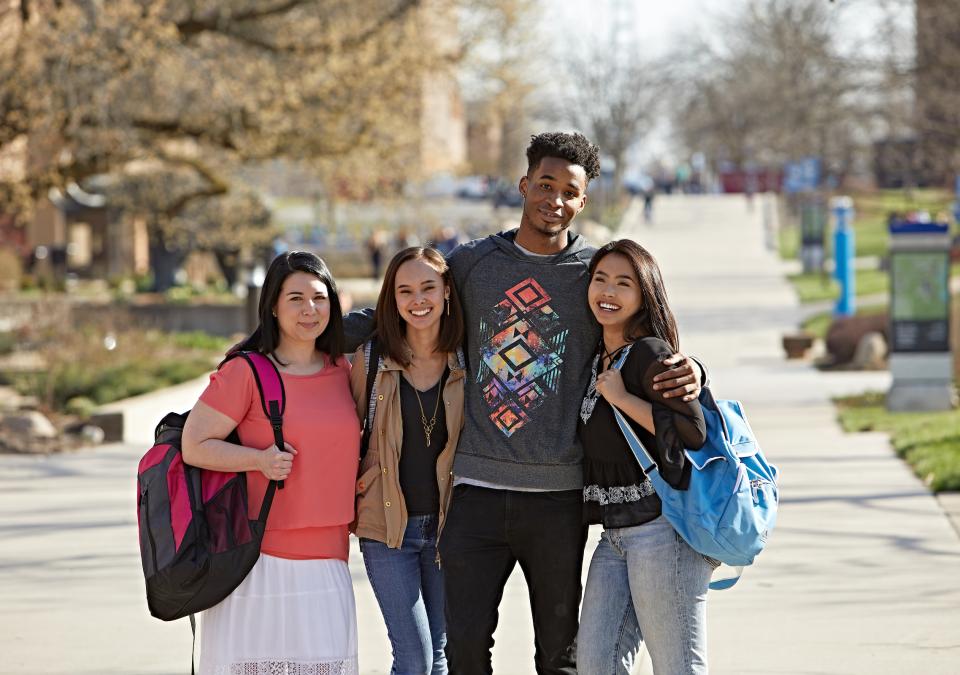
<point x="197" y="542"/>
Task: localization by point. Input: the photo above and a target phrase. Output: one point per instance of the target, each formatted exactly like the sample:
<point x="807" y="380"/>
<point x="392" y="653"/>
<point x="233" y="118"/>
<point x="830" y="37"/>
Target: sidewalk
<point x="861" y="572"/>
<point x="860" y="575"/>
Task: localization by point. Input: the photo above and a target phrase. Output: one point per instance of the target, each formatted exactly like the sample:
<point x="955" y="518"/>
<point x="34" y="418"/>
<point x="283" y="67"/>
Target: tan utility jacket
<point x="381" y="509"/>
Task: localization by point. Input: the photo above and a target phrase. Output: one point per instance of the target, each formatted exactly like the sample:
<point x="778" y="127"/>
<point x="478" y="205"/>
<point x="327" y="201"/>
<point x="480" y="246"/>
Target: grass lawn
<point x="870" y="224"/>
<point x="789" y="242"/>
<point x="929" y="442"/>
<point x="816" y="287"/>
<point x="872" y="209"/>
<point x="818" y="324"/>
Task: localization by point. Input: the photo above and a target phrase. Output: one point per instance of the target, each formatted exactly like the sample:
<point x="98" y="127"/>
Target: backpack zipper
<point x="145" y="509"/>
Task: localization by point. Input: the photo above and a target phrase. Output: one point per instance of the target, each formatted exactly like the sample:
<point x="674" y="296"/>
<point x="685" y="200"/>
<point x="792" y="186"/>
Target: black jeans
<point x="486" y="533"/>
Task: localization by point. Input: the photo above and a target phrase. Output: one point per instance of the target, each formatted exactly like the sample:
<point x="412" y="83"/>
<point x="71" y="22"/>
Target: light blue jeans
<point x="408" y="585"/>
<point x="645" y="586"/>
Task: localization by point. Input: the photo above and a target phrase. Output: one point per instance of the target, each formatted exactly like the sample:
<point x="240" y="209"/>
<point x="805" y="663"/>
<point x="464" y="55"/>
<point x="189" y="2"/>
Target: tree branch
<point x="215" y="22"/>
<point x="214" y="19"/>
<point x="215" y="185"/>
<point x="175" y="129"/>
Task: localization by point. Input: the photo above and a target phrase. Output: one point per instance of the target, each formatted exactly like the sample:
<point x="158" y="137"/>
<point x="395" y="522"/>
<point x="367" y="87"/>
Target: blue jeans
<point x="408" y="585"/>
<point x="645" y="585"/>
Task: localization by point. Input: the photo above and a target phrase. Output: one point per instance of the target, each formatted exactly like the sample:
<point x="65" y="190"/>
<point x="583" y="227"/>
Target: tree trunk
<point x="164" y="263"/>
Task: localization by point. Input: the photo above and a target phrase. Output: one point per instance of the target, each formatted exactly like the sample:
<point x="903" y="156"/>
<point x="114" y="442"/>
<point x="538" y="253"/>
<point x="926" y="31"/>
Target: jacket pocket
<point x="366" y="479"/>
<point x="369" y="509"/>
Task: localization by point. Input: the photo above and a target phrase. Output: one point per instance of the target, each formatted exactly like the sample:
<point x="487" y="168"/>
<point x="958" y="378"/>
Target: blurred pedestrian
<point x="375" y="244"/>
<point x="648" y="195"/>
<point x="404" y="238"/>
<point x="447" y="239"/>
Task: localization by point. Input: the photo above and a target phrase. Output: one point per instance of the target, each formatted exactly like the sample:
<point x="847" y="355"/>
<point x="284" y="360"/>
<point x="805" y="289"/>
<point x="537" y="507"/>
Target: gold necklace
<point x="428" y="426"/>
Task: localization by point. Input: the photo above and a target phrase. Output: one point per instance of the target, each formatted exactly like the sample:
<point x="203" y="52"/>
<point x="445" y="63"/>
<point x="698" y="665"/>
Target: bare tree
<point x="774" y="87"/>
<point x="611" y="92"/>
<point x="501" y="74"/>
<point x="938" y="88"/>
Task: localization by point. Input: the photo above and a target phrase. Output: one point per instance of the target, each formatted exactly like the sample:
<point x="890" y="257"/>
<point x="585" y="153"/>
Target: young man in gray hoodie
<point x="530" y="340"/>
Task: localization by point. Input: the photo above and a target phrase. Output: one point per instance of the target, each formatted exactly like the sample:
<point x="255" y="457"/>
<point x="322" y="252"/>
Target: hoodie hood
<point x="577" y="249"/>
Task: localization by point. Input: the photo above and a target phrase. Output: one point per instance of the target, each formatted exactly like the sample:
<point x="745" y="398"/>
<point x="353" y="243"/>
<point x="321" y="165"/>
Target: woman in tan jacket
<point x="405" y="478"/>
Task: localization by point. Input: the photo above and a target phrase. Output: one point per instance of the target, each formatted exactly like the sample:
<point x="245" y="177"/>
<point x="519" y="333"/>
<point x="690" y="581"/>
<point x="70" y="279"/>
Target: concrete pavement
<point x="860" y="575"/>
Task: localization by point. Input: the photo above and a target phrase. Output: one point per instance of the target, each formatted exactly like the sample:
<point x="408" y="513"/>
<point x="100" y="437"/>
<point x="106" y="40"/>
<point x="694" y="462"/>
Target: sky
<point x="657" y="25"/>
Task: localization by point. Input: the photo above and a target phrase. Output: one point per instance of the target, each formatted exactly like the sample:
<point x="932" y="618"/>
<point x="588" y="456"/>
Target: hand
<point x="276" y="464"/>
<point x="681" y="379"/>
<point x="610" y="386"/>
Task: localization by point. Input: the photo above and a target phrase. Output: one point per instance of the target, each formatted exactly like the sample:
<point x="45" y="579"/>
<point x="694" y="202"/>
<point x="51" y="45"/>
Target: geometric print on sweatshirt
<point x="522" y="345"/>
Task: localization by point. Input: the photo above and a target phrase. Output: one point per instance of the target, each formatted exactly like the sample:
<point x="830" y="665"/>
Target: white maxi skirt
<point x="288" y="617"/>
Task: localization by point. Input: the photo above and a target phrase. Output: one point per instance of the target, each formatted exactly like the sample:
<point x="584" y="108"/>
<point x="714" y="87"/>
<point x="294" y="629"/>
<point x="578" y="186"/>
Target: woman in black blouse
<point x="645" y="584"/>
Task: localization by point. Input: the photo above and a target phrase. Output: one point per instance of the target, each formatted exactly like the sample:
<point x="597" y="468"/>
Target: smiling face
<point x="614" y="293"/>
<point x="554" y="192"/>
<point x="303" y="307"/>
<point x="420" y="294"/>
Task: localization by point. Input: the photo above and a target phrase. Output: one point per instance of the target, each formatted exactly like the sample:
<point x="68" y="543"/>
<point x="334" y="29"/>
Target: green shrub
<point x="928" y="441"/>
<point x="79" y="366"/>
<point x="200" y="340"/>
<point x="8" y="341"/>
<point x="81" y="406"/>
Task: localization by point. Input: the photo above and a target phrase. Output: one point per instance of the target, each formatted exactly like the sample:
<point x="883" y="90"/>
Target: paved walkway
<point x="860" y="576"/>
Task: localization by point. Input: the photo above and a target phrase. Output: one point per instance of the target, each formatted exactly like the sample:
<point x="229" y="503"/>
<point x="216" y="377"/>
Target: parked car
<point x="506" y="194"/>
<point x="473" y="187"/>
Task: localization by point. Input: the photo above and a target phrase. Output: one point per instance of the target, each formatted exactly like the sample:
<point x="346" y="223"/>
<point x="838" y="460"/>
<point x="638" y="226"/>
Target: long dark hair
<point x="654" y="318"/>
<point x="391" y="329"/>
<point x="267" y="335"/>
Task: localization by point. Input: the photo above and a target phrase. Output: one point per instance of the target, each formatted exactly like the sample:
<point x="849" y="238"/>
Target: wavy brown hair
<point x="654" y="318"/>
<point x="391" y="328"/>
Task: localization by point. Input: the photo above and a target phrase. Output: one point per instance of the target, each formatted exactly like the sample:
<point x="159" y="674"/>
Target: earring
<point x="448" y="305"/>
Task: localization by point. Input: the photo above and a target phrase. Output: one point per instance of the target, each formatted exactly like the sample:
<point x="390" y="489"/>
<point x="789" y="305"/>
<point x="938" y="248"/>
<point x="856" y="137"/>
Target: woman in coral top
<point x="294" y="613"/>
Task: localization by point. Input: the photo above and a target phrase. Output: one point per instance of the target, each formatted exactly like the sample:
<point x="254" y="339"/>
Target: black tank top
<point x="418" y="461"/>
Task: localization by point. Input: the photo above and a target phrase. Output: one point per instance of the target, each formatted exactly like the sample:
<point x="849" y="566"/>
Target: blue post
<point x="844" y="247"/>
<point x="956" y="203"/>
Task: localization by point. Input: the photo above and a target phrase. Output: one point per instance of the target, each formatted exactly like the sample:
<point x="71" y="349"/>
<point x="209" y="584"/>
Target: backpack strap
<point x="193" y="652"/>
<point x="372" y="358"/>
<point x="641" y="454"/>
<point x="273" y="398"/>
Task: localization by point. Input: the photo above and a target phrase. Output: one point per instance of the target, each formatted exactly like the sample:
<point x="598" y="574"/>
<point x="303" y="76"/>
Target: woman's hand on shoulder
<point x="611" y="387"/>
<point x="276" y="464"/>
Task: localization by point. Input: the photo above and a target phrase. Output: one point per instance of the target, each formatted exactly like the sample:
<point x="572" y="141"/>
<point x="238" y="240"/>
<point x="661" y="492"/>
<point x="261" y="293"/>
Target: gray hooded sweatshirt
<point x="530" y="339"/>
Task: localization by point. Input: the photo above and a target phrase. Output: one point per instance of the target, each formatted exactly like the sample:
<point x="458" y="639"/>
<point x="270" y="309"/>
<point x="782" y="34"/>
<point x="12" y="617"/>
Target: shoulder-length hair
<point x="266" y="337"/>
<point x="391" y="328"/>
<point x="654" y="318"/>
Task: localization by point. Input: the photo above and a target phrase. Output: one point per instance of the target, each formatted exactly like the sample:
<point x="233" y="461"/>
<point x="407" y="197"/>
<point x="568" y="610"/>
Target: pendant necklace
<point x="428" y="426"/>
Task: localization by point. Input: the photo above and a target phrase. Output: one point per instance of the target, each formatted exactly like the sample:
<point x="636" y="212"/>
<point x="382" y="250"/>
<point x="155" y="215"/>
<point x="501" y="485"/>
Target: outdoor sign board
<point x="920" y="313"/>
<point x="802" y="175"/>
<point x="921" y="363"/>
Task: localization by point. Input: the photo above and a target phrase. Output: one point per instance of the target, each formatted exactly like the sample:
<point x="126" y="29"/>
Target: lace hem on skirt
<point x="285" y="667"/>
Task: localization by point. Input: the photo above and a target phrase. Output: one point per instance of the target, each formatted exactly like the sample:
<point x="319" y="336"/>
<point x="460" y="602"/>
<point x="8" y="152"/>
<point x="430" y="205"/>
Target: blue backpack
<point x="730" y="506"/>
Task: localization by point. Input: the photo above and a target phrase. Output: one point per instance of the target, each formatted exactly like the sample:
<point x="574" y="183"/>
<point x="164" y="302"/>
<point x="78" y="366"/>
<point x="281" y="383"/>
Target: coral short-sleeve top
<point x="310" y="516"/>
